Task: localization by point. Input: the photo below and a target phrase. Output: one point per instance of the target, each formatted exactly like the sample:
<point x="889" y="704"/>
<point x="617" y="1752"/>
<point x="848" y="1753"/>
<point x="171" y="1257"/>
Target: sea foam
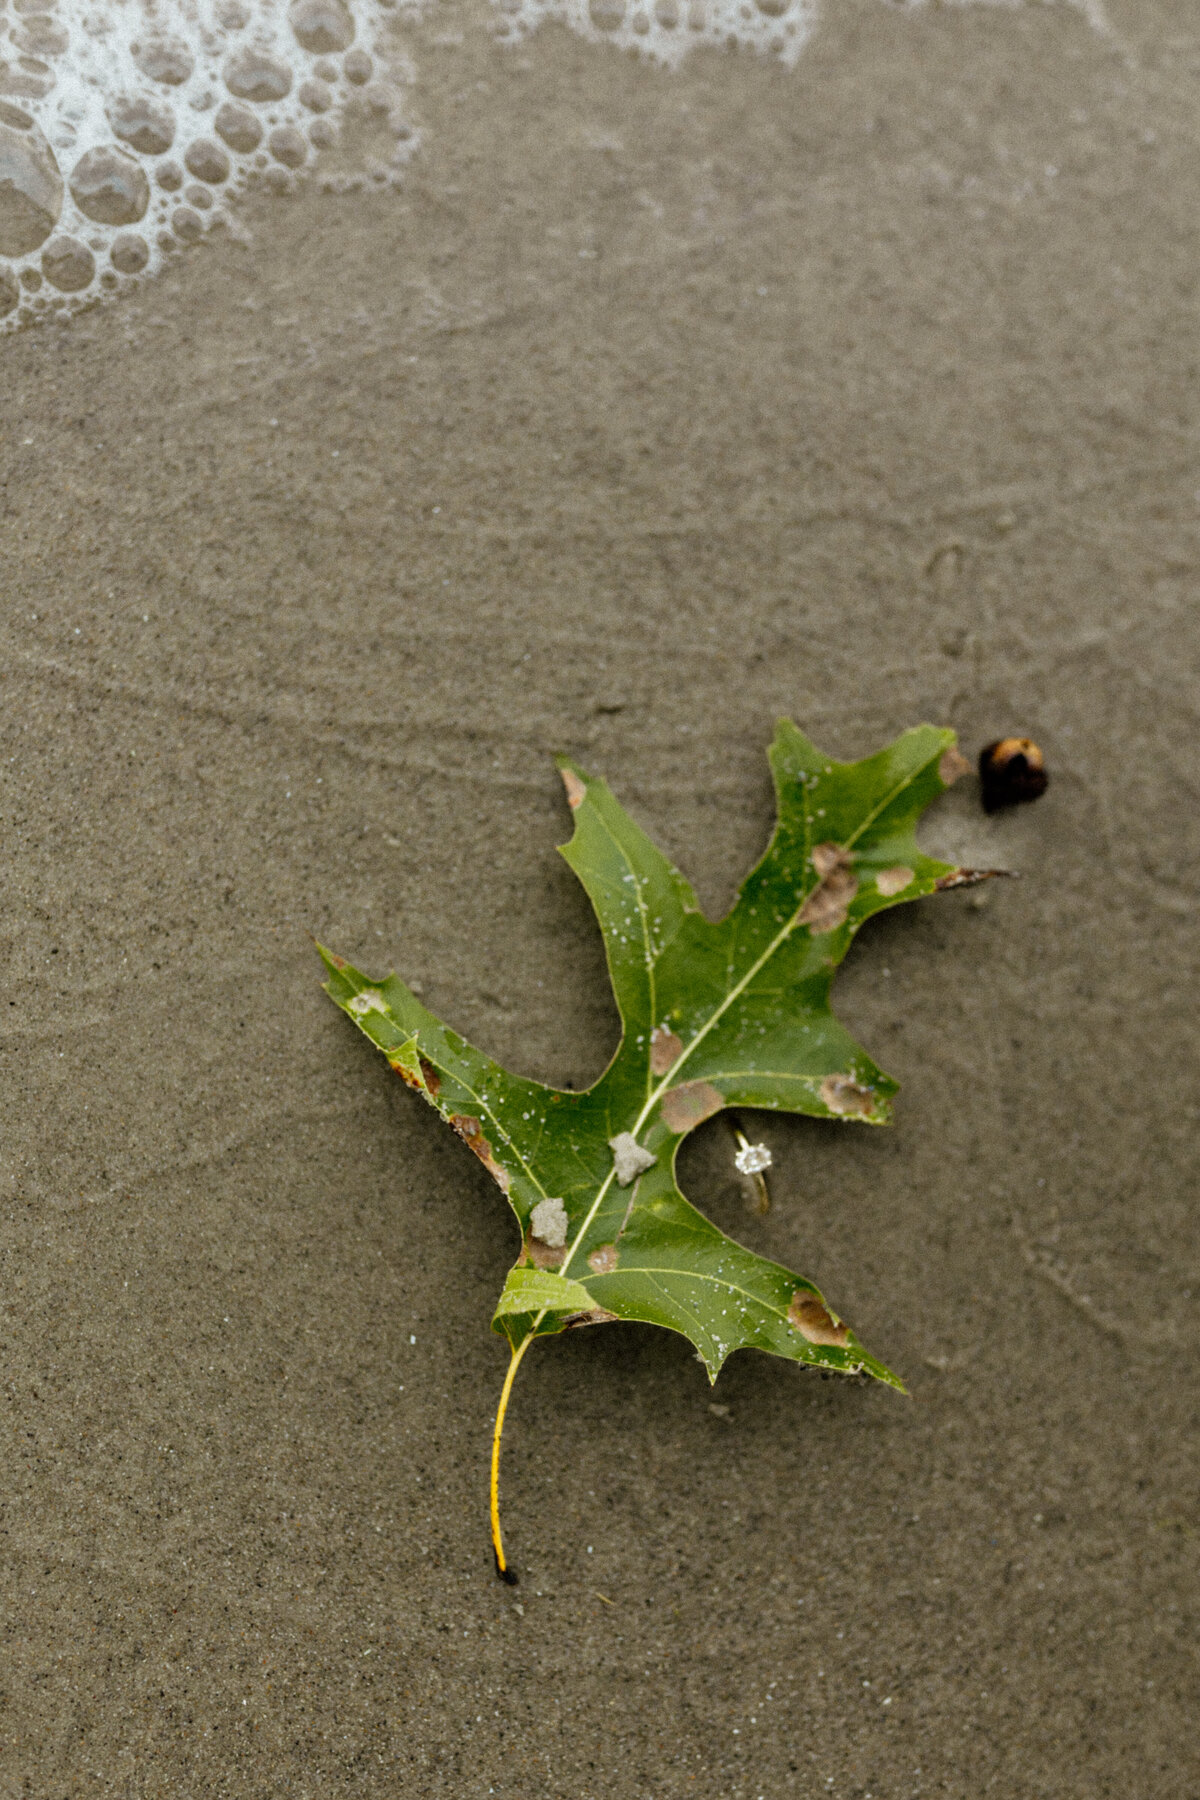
<point x="127" y="127"/>
<point x="667" y="30"/>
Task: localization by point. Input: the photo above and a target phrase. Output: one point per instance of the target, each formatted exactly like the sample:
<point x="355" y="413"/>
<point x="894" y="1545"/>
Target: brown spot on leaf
<point x="1011" y="772"/>
<point x="828" y="859"/>
<point x="686" y="1106"/>
<point x="407" y="1075"/>
<point x="894" y="880"/>
<point x="665" y="1050"/>
<point x="576" y="792"/>
<point x="814" y="1321"/>
<point x="542" y="1256"/>
<point x="604" y="1260"/>
<point x="825" y="908"/>
<point x="430" y="1076"/>
<point x="471" y="1133"/>
<point x="842" y="1094"/>
<point x="951" y="765"/>
<point x="597" y="1316"/>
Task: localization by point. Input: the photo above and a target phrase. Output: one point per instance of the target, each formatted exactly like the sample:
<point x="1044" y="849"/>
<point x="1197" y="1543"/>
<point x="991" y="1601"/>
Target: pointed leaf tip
<point x="576" y="790"/>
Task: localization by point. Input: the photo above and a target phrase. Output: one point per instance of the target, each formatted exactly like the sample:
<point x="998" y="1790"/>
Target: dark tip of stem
<point x="507" y="1575"/>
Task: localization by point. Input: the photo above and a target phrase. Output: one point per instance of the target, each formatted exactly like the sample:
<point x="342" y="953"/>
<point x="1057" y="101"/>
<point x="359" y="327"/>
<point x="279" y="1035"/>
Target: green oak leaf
<point x="713" y="1014"/>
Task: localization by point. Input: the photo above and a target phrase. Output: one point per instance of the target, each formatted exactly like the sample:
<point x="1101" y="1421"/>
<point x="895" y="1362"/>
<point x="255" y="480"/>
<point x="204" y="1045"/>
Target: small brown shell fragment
<point x="842" y="1094"/>
<point x="825" y="909"/>
<point x="814" y="1321"/>
<point x="1011" y="772"/>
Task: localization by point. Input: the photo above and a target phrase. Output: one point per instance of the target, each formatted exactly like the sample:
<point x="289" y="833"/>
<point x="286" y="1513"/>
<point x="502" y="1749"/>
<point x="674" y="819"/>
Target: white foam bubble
<point x="127" y="127"/>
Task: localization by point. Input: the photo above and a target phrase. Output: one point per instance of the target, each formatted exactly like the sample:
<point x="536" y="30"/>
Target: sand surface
<point x="652" y="407"/>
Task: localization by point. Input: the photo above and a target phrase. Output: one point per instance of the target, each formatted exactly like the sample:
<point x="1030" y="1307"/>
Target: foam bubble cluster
<point x="667" y="29"/>
<point x="128" y="126"/>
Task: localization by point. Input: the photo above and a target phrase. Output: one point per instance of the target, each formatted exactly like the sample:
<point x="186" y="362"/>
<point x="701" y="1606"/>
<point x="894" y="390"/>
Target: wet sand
<point x="654" y="406"/>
